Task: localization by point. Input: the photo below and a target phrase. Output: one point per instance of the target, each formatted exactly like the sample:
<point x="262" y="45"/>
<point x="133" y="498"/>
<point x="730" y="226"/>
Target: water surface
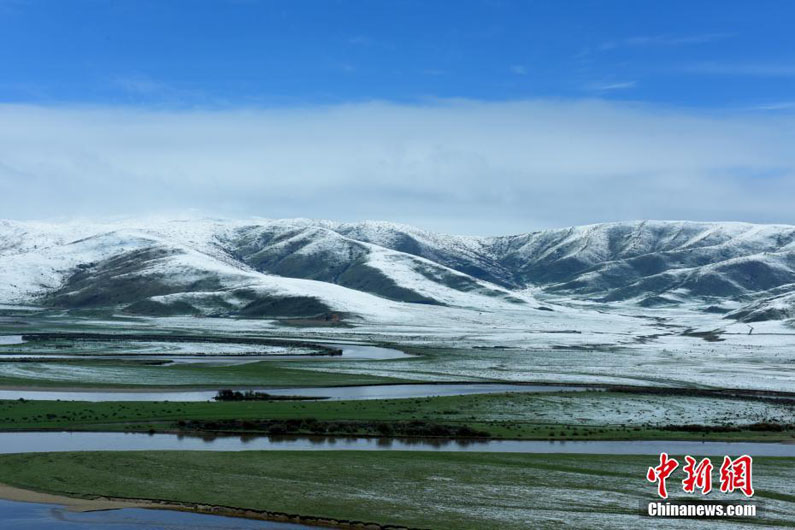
<point x="350" y="352"/>
<point x="35" y="516"/>
<point x="333" y="393"/>
<point x="38" y="442"/>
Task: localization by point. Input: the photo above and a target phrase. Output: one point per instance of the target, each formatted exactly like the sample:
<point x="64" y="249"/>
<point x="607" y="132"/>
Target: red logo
<point x="661" y="472"/>
<point x="734" y="475"/>
<point x="698" y="476"/>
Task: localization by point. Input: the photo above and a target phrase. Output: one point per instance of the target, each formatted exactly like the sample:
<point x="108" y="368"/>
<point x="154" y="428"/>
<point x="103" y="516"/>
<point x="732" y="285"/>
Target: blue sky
<point x="470" y="117"/>
<point x="244" y="52"/>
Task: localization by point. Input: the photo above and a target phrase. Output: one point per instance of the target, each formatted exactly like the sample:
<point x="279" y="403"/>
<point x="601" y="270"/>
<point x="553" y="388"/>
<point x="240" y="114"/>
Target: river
<point x="35" y="516"/>
<point x="333" y="392"/>
<point x="40" y="442"/>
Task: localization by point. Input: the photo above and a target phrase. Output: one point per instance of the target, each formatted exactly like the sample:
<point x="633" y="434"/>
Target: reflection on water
<point x="36" y="442"/>
<point x="33" y="516"/>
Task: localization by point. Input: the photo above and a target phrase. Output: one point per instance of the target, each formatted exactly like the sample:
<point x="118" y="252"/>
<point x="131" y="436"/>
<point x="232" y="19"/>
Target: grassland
<point x="414" y="489"/>
<point x="98" y="373"/>
<point x="508" y="416"/>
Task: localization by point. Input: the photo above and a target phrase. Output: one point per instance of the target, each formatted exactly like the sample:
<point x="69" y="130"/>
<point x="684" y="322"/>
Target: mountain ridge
<point x="305" y="268"/>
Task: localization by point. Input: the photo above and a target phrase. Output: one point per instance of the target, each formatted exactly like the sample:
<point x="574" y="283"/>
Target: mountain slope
<point x="376" y="270"/>
<point x="678" y="261"/>
<point x="273" y="269"/>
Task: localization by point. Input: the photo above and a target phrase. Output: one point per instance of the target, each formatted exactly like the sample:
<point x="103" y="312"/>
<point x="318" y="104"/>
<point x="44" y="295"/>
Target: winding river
<point x="331" y="392"/>
<point x="350" y="352"/>
<point x="41" y="442"/>
<point x="18" y="516"/>
<point x="30" y="516"/>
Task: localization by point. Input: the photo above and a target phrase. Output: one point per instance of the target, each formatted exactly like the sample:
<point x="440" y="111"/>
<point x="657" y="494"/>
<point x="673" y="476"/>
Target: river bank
<point x="381" y="486"/>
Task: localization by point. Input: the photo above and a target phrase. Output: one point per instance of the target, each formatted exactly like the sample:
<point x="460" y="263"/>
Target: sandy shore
<point x="11" y="493"/>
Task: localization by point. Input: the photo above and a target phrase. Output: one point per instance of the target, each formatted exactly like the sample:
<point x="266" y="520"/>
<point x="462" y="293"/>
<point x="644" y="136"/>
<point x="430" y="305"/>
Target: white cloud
<point x="616" y="85"/>
<point x="774" y="106"/>
<point x="664" y="40"/>
<point x="676" y="40"/>
<point x="458" y="166"/>
<point x="360" y="40"/>
<point x="742" y="69"/>
<point x="140" y="84"/>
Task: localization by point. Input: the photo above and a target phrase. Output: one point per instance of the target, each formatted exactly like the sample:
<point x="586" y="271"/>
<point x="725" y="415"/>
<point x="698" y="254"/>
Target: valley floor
<point x="617" y="345"/>
<point x="677" y="375"/>
<point x="580" y="415"/>
<point x="418" y="490"/>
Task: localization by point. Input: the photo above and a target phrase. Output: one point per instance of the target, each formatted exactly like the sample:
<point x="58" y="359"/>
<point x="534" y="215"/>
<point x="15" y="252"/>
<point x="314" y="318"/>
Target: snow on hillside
<point x="36" y="257"/>
<point x="39" y="258"/>
<point x="380" y="270"/>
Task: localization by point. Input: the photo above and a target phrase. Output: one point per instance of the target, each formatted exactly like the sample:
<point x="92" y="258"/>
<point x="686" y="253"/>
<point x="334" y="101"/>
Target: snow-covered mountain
<point x="322" y="269"/>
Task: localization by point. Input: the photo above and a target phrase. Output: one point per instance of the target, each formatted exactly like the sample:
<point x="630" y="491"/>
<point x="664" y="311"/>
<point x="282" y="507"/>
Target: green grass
<point x="415" y="489"/>
<point x="513" y="416"/>
<point x="128" y="374"/>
